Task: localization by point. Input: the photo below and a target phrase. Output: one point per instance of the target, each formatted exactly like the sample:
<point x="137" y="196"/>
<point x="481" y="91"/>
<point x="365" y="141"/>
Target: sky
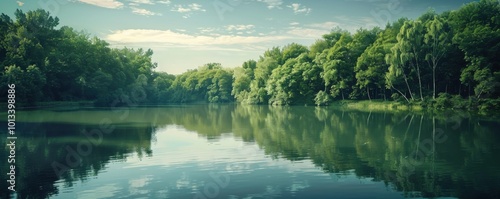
<point x="186" y="34"/>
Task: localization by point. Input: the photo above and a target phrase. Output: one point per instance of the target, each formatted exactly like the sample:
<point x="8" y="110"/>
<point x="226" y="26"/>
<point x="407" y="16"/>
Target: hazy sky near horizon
<point x="185" y="34"/>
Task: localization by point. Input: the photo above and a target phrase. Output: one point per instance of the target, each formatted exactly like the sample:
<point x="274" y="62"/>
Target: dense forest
<point x="441" y="60"/>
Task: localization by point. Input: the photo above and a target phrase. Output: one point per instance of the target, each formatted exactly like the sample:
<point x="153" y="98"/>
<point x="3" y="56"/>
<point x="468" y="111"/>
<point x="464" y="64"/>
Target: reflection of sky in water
<point x="182" y="162"/>
<point x="104" y="191"/>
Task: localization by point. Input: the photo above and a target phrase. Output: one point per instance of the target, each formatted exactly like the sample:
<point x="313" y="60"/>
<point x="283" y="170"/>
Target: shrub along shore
<point x="442" y="105"/>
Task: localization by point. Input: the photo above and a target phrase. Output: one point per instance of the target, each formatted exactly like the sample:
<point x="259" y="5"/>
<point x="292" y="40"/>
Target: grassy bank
<point x="376" y="105"/>
<point x="442" y="104"/>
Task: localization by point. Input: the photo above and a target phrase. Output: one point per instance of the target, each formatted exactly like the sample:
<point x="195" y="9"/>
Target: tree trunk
<point x="433" y="128"/>
<point x="408" y="86"/>
<point x="420" y="83"/>
<point x="401" y="94"/>
<point x="418" y="74"/>
<point x="368" y="92"/>
<point x="434" y="82"/>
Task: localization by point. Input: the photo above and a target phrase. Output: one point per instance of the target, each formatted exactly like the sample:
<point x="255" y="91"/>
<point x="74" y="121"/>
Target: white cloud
<point x="294" y="23"/>
<point x="272" y="3"/>
<point x="112" y="4"/>
<point x="19" y="3"/>
<point x="141" y="2"/>
<point x="239" y="27"/>
<point x="299" y="9"/>
<point x="168" y="37"/>
<point x="181" y="9"/>
<point x="207" y="30"/>
<point x="150" y="2"/>
<point x="188" y="9"/>
<point x="163" y="1"/>
<point x="141" y="11"/>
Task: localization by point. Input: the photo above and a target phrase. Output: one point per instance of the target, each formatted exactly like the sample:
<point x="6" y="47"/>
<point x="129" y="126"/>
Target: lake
<point x="236" y="151"/>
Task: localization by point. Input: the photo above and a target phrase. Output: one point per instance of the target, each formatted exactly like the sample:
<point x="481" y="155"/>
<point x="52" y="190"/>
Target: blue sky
<point x="185" y="34"/>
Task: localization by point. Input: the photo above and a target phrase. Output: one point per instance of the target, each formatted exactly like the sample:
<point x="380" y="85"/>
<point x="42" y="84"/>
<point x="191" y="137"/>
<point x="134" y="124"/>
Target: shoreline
<point x="355" y="105"/>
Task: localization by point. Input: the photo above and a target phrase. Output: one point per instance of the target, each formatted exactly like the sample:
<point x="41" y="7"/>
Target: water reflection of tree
<point x="381" y="146"/>
<point x="373" y="145"/>
<point x="38" y="150"/>
<point x="208" y="120"/>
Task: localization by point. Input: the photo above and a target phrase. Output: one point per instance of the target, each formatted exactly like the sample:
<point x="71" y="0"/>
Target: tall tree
<point x="271" y="59"/>
<point x="337" y="70"/>
<point x="362" y="39"/>
<point x="438" y="41"/>
<point x="242" y="78"/>
<point x="406" y="56"/>
<point x="371" y="67"/>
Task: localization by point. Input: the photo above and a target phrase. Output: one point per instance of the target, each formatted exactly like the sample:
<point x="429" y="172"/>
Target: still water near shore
<point x="234" y="151"/>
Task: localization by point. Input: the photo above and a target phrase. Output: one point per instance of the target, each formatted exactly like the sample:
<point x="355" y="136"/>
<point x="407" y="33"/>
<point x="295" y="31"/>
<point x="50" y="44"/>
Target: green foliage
<point x="453" y="53"/>
<point x="220" y="90"/>
<point x="242" y="79"/>
<point x="489" y="105"/>
<point x="322" y="99"/>
<point x="447" y="101"/>
<point x="443" y="101"/>
<point x="477" y="34"/>
<point x="406" y="58"/>
<point x="161" y="84"/>
<point x="49" y="64"/>
<point x="210" y="83"/>
<point x="318" y="47"/>
<point x="28" y="82"/>
<point x="438" y="42"/>
<point x="338" y="67"/>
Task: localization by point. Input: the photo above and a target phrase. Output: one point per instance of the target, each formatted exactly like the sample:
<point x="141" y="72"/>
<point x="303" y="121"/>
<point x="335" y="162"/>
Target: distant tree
<point x="242" y="79"/>
<point x="337" y="69"/>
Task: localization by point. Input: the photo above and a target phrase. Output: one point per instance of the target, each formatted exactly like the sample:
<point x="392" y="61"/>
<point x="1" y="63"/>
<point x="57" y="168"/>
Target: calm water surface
<point x="230" y="151"/>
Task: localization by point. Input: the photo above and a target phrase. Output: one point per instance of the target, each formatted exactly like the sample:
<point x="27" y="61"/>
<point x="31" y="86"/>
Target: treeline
<point x="48" y="64"/>
<point x="437" y="59"/>
<point x="446" y="60"/>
